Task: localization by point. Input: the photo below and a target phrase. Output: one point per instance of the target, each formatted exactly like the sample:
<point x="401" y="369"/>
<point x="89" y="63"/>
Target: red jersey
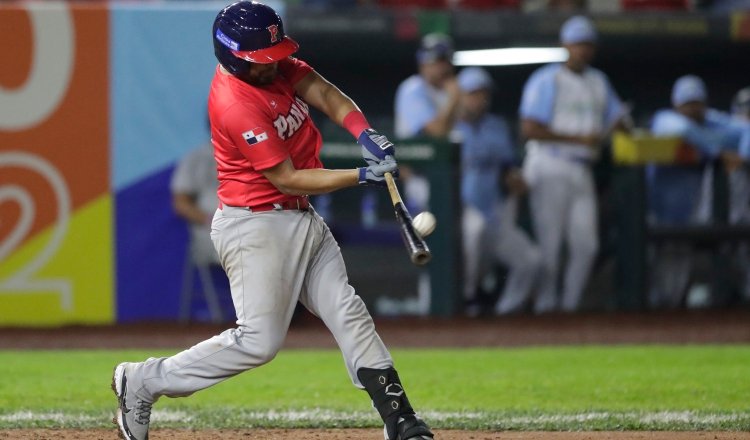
<point x="257" y="127"/>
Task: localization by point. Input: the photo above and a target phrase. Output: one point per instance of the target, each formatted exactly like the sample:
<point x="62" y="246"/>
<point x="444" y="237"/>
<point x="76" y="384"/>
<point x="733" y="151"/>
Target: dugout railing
<point x="635" y="235"/>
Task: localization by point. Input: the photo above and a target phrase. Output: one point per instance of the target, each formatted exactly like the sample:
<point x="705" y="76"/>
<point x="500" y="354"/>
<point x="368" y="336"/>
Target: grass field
<point x="561" y="388"/>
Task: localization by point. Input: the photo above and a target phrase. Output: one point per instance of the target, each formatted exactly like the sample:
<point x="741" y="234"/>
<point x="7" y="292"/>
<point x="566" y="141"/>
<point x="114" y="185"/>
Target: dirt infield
<point x="679" y="327"/>
<point x="696" y="327"/>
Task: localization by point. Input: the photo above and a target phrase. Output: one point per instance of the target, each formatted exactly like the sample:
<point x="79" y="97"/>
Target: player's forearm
<point x="185" y="207"/>
<point x="443" y="123"/>
<point x="535" y="130"/>
<point x="317" y="181"/>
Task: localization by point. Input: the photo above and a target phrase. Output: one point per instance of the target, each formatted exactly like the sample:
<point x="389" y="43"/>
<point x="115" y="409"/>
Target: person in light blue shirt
<point x="680" y="194"/>
<point x="426" y="102"/>
<point x="425" y="106"/>
<point x="739" y="183"/>
<point x="490" y="185"/>
<point x="566" y="112"/>
<point x="676" y="191"/>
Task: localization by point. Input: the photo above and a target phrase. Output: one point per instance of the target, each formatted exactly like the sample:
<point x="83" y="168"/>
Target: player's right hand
<point x="375" y="147"/>
<point x="375" y="174"/>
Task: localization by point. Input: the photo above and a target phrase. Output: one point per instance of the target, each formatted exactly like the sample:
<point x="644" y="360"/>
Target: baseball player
<point x="488" y="163"/>
<point x="681" y="194"/>
<point x="739" y="182"/>
<point x="566" y="111"/>
<point x="273" y="246"/>
<point x="740" y="179"/>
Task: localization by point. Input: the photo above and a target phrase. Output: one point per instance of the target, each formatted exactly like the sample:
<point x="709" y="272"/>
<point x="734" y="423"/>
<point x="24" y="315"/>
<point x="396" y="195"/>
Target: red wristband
<point x="355" y="122"/>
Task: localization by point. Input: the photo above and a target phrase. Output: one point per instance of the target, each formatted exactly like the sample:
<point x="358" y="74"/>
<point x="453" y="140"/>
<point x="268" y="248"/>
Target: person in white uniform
<point x="566" y="111"/>
<point x="491" y="183"/>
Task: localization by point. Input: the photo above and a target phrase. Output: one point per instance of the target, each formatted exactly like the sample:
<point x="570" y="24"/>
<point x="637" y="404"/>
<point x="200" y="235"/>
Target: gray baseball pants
<point x="272" y="259"/>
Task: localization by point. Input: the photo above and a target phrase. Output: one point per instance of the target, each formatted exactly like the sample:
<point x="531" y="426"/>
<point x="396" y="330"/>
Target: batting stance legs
<point x="266" y="286"/>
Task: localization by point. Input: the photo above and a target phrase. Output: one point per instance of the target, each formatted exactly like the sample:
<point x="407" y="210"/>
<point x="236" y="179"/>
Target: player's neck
<point x="575" y="67"/>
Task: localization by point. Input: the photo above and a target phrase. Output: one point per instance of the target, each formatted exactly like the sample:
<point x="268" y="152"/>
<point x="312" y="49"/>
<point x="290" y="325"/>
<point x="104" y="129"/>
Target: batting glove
<point x="375" y="146"/>
<point x="375" y="174"/>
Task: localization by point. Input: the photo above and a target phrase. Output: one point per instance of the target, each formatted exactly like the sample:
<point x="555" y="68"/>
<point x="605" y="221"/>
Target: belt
<point x="558" y="152"/>
<point x="297" y="203"/>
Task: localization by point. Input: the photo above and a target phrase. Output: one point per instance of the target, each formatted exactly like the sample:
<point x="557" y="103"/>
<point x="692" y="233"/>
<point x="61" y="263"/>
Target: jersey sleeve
<point x="253" y="133"/>
<point x="670" y="123"/>
<point x="538" y="99"/>
<point x="413" y="111"/>
<point x="508" y="155"/>
<point x="294" y="69"/>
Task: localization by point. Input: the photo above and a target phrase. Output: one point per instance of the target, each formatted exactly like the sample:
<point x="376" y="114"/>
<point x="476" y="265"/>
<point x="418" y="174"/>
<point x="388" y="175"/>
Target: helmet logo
<point x="274" y="31"/>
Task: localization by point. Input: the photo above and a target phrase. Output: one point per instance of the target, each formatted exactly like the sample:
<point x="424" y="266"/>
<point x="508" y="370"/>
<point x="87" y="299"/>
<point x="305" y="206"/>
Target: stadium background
<point x="100" y="99"/>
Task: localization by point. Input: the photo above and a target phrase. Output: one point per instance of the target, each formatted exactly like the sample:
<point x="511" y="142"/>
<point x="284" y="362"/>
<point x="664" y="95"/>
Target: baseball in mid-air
<point x="424" y="223"/>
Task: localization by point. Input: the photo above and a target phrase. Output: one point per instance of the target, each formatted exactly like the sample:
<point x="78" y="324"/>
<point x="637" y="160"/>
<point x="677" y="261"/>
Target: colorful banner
<point x="55" y="206"/>
<point x="98" y="101"/>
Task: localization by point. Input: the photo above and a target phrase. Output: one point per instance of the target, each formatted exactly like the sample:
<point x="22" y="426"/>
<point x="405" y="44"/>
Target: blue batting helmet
<point x="249" y="32"/>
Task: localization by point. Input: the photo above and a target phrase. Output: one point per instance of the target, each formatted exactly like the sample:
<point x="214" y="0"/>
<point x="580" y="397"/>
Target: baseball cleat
<point x="133" y="414"/>
<point x="410" y="427"/>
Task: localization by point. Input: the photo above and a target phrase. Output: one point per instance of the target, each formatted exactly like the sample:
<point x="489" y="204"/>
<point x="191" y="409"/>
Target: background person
<point x="681" y="194"/>
<point x="193" y="185"/>
<point x="426" y="105"/>
<point x="490" y="186"/>
<point x="566" y="112"/>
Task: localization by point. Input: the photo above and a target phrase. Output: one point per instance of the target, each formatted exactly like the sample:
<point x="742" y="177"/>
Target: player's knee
<point x="587" y="248"/>
<point x="534" y="259"/>
<point x="267" y="352"/>
<point x="263" y="348"/>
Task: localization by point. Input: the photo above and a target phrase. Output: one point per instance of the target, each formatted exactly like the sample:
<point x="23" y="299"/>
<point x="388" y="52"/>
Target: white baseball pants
<point x="563" y="207"/>
<point x="508" y="244"/>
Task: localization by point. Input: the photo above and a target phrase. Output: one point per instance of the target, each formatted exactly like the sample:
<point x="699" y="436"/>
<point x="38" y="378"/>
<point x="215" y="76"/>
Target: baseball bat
<point x="418" y="251"/>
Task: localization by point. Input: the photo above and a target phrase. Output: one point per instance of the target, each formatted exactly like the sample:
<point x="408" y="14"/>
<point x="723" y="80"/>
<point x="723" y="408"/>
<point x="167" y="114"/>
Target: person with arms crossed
<point x="426" y="105"/>
<point x="275" y="249"/>
<point x="427" y="102"/>
<point x="566" y="112"/>
<point x="193" y="185"/>
<point x="489" y="164"/>
<point x="681" y="194"/>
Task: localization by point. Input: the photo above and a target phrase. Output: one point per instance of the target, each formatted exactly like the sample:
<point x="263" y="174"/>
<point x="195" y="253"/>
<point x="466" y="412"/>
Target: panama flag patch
<point x="255" y="136"/>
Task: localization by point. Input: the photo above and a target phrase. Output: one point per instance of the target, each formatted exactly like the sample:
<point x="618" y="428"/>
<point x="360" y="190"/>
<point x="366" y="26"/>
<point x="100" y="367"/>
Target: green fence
<point x="438" y="163"/>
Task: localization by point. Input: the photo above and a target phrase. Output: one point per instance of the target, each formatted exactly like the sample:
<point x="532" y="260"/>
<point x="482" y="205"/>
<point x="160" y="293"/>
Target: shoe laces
<point x="143" y="412"/>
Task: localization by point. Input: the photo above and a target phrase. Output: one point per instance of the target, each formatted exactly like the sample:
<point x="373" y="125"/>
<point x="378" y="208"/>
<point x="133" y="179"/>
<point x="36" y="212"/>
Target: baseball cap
<point x="688" y="88"/>
<point x="435" y="47"/>
<point x="578" y="29"/>
<point x="471" y="79"/>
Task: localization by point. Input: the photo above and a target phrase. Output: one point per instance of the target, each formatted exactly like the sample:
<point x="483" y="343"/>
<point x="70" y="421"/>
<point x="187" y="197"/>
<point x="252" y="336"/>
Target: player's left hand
<point x="375" y="146"/>
<point x="375" y="174"/>
<point x="514" y="182"/>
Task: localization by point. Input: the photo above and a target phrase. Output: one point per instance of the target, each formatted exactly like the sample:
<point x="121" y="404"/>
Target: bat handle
<point x="392" y="188"/>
